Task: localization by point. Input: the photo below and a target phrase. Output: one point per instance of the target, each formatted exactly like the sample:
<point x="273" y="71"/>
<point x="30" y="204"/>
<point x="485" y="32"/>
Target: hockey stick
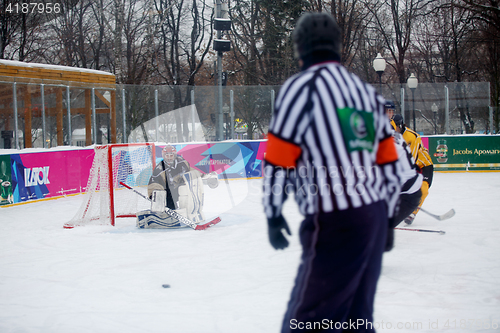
<point x="445" y="216"/>
<point x="178" y="216"/>
<point x="441" y="232"/>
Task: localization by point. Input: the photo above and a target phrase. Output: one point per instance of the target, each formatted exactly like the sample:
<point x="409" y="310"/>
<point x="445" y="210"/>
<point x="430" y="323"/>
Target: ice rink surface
<point x="229" y="279"/>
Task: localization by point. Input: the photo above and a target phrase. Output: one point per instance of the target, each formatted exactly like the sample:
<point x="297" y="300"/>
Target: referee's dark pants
<point x="337" y="278"/>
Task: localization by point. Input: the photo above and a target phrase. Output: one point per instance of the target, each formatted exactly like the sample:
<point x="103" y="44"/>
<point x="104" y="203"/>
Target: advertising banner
<point x="48" y="174"/>
<point x="6" y="196"/>
<point x="39" y="175"/>
<point x="230" y="159"/>
<point x="465" y="153"/>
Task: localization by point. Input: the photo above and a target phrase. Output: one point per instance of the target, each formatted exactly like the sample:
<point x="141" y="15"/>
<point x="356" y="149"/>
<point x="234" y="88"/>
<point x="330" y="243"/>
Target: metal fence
<point x="245" y="111"/>
<point x="451" y="108"/>
<point x="49" y="114"/>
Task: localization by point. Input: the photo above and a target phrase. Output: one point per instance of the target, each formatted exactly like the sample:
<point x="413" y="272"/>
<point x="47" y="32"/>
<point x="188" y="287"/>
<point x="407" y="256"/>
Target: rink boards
<point x="36" y="174"/>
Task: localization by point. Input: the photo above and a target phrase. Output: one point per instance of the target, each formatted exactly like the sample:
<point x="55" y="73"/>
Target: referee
<point x="331" y="142"/>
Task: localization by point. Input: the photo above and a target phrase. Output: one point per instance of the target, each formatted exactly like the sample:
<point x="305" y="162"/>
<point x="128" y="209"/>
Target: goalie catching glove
<point x="211" y="179"/>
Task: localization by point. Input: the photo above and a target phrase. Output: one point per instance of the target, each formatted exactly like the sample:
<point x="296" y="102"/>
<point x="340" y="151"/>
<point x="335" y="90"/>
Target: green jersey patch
<point x="358" y="129"/>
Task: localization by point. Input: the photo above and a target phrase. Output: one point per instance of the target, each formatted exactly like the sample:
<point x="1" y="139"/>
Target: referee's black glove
<point x="276" y="237"/>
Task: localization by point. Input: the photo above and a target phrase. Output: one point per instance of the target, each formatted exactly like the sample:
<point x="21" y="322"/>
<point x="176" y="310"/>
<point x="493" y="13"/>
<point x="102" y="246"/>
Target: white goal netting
<point x="105" y="198"/>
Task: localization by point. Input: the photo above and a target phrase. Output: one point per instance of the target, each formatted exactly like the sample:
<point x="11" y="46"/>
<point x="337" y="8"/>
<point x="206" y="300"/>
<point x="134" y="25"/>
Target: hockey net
<point x="105" y="199"/>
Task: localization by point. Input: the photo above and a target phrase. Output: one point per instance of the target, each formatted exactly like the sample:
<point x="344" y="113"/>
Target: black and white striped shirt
<point x="330" y="142"/>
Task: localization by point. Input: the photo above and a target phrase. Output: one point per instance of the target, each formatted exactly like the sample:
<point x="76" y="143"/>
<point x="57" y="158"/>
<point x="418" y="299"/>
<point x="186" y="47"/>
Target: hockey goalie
<point x="175" y="185"/>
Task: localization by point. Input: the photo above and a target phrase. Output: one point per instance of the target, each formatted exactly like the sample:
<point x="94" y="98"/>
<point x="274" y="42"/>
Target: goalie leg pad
<point x="148" y="219"/>
<point x="191" y="196"/>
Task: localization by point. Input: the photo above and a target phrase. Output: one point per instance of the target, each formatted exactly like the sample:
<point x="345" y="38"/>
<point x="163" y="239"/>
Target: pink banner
<point x="50" y="174"/>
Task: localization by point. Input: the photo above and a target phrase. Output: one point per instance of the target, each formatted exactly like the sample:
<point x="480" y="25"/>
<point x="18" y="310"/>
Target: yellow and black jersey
<point x="418" y="151"/>
<point x="413" y="140"/>
<point x="423" y="158"/>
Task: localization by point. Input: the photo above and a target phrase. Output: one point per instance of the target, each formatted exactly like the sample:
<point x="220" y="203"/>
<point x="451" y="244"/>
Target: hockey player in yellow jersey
<point x="421" y="156"/>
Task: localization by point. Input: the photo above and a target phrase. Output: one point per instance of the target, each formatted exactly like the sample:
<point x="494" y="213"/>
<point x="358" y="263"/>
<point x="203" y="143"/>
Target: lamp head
<point x="379" y="64"/>
<point x="412" y="82"/>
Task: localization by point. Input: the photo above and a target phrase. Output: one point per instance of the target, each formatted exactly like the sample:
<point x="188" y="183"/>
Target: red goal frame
<point x="110" y="170"/>
<point x="82" y="214"/>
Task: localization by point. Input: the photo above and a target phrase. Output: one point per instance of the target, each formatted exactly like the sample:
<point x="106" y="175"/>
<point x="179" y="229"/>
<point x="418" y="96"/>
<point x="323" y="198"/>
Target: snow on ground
<point x="229" y="279"/>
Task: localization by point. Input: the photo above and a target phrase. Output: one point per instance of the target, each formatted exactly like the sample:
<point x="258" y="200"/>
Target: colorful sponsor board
<point x="229" y="159"/>
<point x="40" y="175"/>
<point x="6" y="195"/>
<point x="470" y="153"/>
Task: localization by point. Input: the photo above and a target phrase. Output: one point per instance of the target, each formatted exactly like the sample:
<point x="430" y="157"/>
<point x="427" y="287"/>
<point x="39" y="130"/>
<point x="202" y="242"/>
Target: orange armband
<point x="386" y="152"/>
<point x="282" y="153"/>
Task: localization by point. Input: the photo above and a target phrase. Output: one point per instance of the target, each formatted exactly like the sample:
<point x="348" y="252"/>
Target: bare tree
<point x="70" y="29"/>
<point x="99" y="44"/>
<point x="185" y="31"/>
<point x="487" y="14"/>
<point x="352" y="18"/>
<point x="200" y="39"/>
<point x="262" y="53"/>
<point x="394" y="21"/>
<point x="9" y="25"/>
<point x="262" y="47"/>
<point x="119" y="13"/>
<point x="452" y="34"/>
<point x="246" y="31"/>
<point x="20" y="32"/>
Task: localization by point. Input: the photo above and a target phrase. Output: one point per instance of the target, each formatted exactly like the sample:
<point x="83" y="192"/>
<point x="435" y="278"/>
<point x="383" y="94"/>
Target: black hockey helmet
<point x="315" y="32"/>
<point x="397" y="122"/>
<point x="389" y="109"/>
<point x="389" y="105"/>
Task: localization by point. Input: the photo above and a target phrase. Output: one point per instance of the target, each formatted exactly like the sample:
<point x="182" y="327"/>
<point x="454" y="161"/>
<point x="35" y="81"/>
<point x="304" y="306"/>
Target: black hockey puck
<point x="165" y="285"/>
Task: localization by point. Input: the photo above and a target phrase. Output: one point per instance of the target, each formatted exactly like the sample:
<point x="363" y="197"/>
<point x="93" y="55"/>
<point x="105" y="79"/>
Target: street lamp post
<point x="412" y="83"/>
<point x="221" y="23"/>
<point x="225" y="111"/>
<point x="379" y="66"/>
<point x="434" y="109"/>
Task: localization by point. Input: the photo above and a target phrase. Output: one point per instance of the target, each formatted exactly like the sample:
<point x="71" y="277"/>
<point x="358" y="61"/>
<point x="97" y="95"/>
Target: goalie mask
<point x="169" y="154"/>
